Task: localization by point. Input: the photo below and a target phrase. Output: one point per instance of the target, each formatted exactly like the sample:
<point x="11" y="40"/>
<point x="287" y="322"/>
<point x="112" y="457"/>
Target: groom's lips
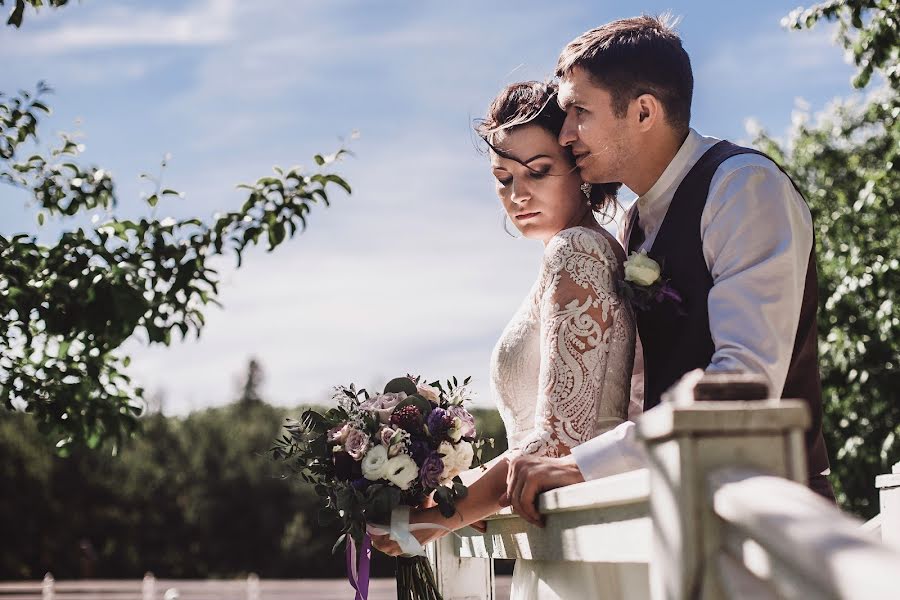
<point x="579" y="156"/>
<point x="524" y="216"/>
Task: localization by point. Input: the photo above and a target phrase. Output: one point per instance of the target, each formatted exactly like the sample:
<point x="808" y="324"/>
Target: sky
<point x="413" y="272"/>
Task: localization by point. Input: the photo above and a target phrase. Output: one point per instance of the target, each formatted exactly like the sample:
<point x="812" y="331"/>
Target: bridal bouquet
<point x="374" y="456"/>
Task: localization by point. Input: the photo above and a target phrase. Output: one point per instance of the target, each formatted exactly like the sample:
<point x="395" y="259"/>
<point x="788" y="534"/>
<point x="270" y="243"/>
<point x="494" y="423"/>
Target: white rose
<point x="401" y="470"/>
<point x="641" y="269"/>
<point x="448" y="456"/>
<point x="428" y="392"/>
<point x="374" y="463"/>
<point x="464" y="455"/>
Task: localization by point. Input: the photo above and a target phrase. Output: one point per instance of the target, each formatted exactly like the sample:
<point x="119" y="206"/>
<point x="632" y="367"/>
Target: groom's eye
<point x="579" y="110"/>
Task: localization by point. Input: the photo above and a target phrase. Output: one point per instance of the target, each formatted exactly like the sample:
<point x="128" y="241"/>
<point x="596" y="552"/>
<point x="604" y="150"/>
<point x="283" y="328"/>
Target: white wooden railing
<point x="721" y="511"/>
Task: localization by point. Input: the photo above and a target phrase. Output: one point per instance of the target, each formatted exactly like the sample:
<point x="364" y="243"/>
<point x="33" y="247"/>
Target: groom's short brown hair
<point x="630" y="57"/>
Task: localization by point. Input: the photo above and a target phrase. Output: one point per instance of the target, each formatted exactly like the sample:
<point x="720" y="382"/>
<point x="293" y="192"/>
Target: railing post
<point x="47" y="591"/>
<point x="252" y="586"/>
<point x="889" y="501"/>
<point x="148" y="587"/>
<point x="687" y="437"/>
<point x="460" y="578"/>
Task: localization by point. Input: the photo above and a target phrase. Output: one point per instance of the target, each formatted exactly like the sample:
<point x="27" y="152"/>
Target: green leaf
<point x="338" y="543"/>
<point x="400" y="384"/>
<point x="152" y="200"/>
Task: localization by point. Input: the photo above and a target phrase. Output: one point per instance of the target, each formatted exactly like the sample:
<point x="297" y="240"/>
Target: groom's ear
<point x="647" y="111"/>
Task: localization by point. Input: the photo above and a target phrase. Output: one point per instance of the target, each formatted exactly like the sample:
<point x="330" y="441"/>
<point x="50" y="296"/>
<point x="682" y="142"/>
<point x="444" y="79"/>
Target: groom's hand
<point x="528" y="476"/>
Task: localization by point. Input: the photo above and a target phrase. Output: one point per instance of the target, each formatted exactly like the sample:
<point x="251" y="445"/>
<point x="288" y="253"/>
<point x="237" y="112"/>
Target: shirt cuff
<point x="616" y="451"/>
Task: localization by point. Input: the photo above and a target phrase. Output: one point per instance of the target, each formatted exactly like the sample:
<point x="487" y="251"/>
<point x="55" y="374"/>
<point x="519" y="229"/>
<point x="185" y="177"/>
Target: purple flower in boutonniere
<point x="644" y="283"/>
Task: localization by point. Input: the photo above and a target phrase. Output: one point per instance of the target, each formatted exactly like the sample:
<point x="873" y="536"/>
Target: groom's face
<point x="600" y="140"/>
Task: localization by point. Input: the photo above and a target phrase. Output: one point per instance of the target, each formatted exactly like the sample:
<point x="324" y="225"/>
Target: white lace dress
<point x="560" y="375"/>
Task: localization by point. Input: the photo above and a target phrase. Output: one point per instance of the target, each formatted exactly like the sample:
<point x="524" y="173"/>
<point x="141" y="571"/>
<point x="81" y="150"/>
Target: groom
<point x="733" y="234"/>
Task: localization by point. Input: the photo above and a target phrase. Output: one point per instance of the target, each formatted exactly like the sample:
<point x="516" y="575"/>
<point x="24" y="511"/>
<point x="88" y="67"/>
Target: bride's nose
<point x="520" y="192"/>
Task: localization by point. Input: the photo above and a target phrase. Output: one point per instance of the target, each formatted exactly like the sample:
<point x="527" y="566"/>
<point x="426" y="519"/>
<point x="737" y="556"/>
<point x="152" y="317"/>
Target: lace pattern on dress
<point x="561" y="370"/>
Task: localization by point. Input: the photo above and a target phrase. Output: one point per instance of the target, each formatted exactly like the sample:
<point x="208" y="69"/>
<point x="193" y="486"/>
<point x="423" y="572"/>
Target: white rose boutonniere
<point x="641" y="269"/>
<point x="644" y="284"/>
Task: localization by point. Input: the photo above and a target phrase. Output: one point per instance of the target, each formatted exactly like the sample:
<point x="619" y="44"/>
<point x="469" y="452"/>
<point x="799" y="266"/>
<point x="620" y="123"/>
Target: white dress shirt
<point x="756" y="232"/>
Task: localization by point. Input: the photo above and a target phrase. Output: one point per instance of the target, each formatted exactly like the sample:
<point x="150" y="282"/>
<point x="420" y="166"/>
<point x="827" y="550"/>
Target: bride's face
<point x="537" y="183"/>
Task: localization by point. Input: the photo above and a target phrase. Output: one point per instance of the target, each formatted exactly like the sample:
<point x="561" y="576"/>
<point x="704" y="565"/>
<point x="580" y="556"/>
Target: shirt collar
<point x="672" y="176"/>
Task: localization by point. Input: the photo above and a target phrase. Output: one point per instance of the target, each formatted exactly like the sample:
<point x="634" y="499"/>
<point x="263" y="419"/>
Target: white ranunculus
<point x="456" y="429"/>
<point x="428" y="392"/>
<point x="641" y="269"/>
<point x="374" y="464"/>
<point x="401" y="470"/>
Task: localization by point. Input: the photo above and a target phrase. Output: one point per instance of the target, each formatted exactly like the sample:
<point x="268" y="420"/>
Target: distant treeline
<point x="191" y="497"/>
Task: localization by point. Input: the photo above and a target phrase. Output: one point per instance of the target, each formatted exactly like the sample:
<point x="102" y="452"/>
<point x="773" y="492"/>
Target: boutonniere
<point x="644" y="284"/>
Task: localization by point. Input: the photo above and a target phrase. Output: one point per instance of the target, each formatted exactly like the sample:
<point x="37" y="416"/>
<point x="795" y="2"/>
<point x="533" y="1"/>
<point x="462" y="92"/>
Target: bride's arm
<point x="578" y="309"/>
<point x="482" y="501"/>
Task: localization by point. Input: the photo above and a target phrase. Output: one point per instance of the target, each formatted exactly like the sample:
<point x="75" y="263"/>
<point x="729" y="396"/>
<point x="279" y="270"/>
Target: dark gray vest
<point x="677" y="343"/>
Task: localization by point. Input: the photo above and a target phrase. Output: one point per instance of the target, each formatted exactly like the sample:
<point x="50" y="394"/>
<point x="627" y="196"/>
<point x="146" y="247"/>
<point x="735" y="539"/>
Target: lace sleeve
<point x="577" y="310"/>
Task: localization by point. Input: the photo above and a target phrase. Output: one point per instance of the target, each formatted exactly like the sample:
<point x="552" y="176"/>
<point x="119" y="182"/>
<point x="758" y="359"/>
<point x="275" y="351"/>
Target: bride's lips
<point x="524" y="216"/>
<point x="580" y="157"/>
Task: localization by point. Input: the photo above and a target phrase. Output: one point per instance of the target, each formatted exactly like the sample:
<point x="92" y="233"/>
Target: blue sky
<point x="413" y="272"/>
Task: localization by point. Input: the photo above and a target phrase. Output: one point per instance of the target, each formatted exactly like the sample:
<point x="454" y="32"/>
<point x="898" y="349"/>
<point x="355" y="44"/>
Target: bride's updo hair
<point x="534" y="103"/>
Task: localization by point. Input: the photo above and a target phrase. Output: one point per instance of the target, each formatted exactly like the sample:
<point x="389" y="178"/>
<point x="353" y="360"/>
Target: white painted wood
<point x="686" y="439"/>
<point x="785" y="582"/>
<point x="459" y="577"/>
<point x="148" y="586"/>
<point x="813" y="540"/>
<point x="605" y="520"/>
<point x="722" y="418"/>
<point x="47" y="587"/>
<point x="740" y="583"/>
<point x="889" y="502"/>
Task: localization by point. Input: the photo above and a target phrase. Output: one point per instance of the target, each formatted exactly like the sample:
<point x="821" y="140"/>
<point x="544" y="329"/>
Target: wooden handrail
<point x="790" y="534"/>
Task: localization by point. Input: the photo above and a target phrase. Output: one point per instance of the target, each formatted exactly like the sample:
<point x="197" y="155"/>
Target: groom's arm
<point x="757" y="237"/>
<point x="610" y="453"/>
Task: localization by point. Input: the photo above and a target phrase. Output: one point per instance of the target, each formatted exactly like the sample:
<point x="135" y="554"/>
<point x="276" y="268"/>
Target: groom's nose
<point x="568" y="134"/>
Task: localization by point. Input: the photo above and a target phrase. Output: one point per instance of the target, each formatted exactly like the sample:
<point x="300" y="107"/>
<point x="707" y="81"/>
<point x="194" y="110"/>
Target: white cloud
<point x="122" y="27"/>
<point x="408" y="274"/>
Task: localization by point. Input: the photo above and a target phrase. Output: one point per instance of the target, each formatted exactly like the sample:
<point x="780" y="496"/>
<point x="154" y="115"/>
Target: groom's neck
<point x="659" y="148"/>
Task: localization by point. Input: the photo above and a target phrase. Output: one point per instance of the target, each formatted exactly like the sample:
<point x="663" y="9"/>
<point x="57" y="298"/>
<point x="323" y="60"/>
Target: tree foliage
<point x="67" y="307"/>
<point x="846" y="165"/>
<point x="192" y="497"/>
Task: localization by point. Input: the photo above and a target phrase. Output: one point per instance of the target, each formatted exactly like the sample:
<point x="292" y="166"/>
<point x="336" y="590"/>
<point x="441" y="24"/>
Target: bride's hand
<point x="385" y="544"/>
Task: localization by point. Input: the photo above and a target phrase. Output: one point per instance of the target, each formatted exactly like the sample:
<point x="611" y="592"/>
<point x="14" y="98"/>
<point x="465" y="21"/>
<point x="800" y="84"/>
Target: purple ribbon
<point x="360" y="583"/>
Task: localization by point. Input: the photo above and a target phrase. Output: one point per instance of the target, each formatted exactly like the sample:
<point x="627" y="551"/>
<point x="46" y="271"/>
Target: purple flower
<point x="419" y="450"/>
<point x="360" y="483"/>
<point x="466" y="421"/>
<point x="430" y="472"/>
<point x="439" y="421"/>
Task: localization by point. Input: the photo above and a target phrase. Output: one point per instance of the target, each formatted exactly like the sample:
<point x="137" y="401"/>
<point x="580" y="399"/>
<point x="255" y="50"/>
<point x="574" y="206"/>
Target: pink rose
<point x="466" y="426"/>
<point x="428" y="392"/>
<point x="356" y="443"/>
<point x="383" y="405"/>
<point x="338" y="434"/>
<point x="384" y="436"/>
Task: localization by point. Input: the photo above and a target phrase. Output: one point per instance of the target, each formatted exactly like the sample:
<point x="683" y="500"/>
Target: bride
<point x="560" y="371"/>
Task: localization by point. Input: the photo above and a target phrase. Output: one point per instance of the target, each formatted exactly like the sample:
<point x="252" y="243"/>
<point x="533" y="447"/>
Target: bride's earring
<point x="586" y="190"/>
